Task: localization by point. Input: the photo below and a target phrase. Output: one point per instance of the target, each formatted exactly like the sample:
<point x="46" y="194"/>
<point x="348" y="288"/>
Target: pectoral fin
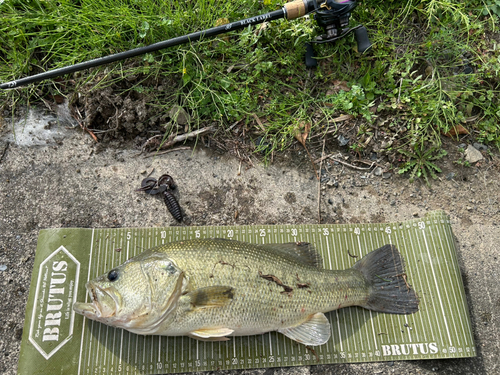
<point x="212" y="296"/>
<point x="315" y="331"/>
<point x="211" y="334"/>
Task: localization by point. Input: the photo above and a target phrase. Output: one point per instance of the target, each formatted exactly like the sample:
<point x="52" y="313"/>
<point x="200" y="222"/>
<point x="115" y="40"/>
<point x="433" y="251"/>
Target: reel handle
<point x="361" y="35"/>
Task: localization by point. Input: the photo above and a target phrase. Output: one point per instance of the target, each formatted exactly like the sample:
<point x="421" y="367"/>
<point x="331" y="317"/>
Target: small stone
<point x="3" y="267"/>
<point x="469" y="208"/>
<point x="472" y="155"/>
<point x="179" y="115"/>
<point x="343" y="141"/>
<point x="393" y="203"/>
<point x="386" y="175"/>
<point x="385" y="144"/>
<point x="480" y="146"/>
<point x="377" y="171"/>
<point x="330" y="201"/>
<point x="333" y="183"/>
<point x="450" y="176"/>
<point x="373" y="156"/>
<point x="415" y="214"/>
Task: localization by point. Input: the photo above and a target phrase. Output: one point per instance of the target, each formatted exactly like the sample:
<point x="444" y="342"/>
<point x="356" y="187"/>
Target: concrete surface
<point x="74" y="182"/>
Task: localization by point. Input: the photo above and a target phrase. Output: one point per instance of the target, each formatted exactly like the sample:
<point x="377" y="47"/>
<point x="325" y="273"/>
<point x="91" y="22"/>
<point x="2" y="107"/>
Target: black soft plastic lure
<point x="165" y="184"/>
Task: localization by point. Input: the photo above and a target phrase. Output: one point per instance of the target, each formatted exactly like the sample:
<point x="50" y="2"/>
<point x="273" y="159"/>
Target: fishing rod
<point x="333" y="16"/>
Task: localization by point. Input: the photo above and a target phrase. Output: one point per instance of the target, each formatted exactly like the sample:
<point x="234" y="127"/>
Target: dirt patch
<point x="126" y="109"/>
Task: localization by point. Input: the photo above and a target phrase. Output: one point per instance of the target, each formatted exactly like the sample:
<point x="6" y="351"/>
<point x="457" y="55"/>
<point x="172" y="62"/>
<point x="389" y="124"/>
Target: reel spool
<point x="333" y="17"/>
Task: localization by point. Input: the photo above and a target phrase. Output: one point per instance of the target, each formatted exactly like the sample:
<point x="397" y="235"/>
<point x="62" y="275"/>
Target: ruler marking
<point x="414" y="263"/>
<point x="436" y="318"/>
<point x="454" y="292"/>
<point x="365" y="311"/>
<point x="374" y="244"/>
<point x="449" y="235"/>
<point x="342" y="313"/>
<point x="324" y="255"/>
<point x="86" y="300"/>
<point x="405" y="317"/>
<point x="357" y="311"/>
<point x="396" y="327"/>
<point x="336" y="311"/>
<point x="100" y="325"/>
<point x="437" y="287"/>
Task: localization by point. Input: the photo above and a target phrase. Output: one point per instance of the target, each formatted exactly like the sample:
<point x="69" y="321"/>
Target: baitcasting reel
<point x="333" y="17"/>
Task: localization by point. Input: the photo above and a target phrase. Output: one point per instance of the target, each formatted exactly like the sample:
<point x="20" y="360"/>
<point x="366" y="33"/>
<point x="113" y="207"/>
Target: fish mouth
<point x="104" y="303"/>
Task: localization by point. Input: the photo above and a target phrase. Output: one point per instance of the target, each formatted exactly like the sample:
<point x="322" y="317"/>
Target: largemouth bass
<point x="210" y="289"/>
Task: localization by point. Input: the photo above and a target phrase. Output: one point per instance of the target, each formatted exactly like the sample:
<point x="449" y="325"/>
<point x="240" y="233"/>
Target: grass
<point x="434" y="65"/>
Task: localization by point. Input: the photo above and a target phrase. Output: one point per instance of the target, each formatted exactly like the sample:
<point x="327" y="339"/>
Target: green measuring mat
<point x="58" y="341"/>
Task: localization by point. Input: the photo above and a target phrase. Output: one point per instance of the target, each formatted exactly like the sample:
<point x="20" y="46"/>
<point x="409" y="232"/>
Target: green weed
<point x="432" y="64"/>
<point x="420" y="162"/>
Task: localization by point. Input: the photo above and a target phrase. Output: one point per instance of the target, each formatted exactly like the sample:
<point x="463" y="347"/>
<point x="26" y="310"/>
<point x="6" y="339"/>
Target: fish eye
<point x="112" y="275"/>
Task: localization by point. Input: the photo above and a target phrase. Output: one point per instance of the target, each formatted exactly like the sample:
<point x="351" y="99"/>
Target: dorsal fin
<point x="302" y="252"/>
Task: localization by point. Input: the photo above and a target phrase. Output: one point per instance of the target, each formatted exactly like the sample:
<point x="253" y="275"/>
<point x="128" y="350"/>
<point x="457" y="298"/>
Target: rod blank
<point x="290" y="11"/>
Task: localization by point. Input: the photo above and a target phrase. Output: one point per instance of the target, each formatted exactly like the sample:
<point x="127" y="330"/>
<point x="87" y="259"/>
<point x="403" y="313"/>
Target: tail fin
<point x="389" y="292"/>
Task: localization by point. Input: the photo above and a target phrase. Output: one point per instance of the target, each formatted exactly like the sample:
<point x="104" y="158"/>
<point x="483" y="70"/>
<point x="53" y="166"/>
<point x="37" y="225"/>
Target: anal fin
<point x="211" y="334"/>
<point x="313" y="332"/>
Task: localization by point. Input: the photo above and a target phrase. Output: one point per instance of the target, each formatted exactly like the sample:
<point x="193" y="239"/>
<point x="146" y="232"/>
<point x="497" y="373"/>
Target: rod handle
<point x="295" y="9"/>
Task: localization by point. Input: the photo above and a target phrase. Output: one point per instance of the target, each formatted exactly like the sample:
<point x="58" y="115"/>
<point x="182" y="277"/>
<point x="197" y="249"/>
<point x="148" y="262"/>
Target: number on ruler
<point x="294" y="232"/>
<point x="230" y="233"/>
<point x="421" y="225"/>
<point x="326" y="232"/>
<point x="197" y="233"/>
<point x="129" y="235"/>
<point x="388" y="230"/>
<point x="262" y="232"/>
<point x="163" y="234"/>
<point x="357" y="231"/>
